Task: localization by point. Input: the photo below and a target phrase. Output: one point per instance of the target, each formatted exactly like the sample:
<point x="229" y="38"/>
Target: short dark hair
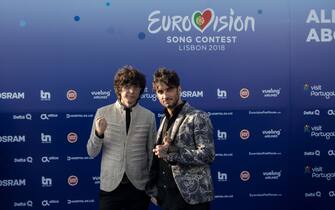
<point x="166" y="76"/>
<point x="128" y="75"/>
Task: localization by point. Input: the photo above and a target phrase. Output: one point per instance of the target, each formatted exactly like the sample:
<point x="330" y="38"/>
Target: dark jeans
<point x="171" y="199"/>
<point x="124" y="197"/>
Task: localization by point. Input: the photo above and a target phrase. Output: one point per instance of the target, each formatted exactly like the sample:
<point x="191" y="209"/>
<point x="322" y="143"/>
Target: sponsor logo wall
<point x="262" y="71"/>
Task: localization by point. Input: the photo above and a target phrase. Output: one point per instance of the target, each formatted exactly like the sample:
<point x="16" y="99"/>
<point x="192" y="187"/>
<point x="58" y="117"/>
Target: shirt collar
<point x="175" y="111"/>
<point x="120" y="106"/>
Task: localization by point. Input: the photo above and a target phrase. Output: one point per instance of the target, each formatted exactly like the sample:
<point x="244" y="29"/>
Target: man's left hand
<point x="161" y="150"/>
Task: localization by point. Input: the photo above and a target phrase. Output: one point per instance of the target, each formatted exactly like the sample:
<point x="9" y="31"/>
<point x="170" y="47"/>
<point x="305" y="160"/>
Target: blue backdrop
<point x="263" y="70"/>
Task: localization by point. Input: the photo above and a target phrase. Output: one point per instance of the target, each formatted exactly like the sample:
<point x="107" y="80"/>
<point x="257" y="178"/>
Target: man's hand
<point x="100" y="126"/>
<point x="154" y="201"/>
<point x="166" y="139"/>
<point x="161" y="150"/>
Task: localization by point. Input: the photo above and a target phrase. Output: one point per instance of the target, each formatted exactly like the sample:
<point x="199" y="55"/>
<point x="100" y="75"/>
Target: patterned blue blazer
<point x="190" y="155"/>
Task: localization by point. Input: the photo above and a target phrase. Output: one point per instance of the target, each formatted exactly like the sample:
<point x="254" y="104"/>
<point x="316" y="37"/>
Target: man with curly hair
<point x="124" y="132"/>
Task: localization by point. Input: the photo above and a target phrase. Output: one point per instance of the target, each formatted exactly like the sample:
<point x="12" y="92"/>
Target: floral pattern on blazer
<point x="192" y="152"/>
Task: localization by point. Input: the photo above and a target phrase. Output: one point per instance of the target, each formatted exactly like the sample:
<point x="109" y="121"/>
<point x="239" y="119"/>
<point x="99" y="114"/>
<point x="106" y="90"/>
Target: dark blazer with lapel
<point x="190" y="155"/>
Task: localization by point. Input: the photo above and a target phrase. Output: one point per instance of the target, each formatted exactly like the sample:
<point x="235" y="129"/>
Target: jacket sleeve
<point x="151" y="139"/>
<point x="94" y="143"/>
<point x="202" y="136"/>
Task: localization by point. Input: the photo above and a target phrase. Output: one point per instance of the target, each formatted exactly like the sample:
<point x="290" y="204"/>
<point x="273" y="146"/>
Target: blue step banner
<point x="262" y="70"/>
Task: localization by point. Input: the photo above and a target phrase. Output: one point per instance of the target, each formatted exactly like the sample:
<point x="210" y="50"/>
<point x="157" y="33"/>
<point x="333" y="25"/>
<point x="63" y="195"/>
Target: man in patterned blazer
<point x="125" y="133"/>
<point x="180" y="174"/>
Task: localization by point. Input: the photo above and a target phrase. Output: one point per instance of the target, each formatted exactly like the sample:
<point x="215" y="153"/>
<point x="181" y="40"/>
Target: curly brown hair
<point x="128" y="75"/>
<point x="166" y="76"/>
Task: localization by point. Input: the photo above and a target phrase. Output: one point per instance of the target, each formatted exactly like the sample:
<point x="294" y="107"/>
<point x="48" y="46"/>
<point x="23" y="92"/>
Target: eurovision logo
<point x="216" y="31"/>
<point x="201" y="20"/>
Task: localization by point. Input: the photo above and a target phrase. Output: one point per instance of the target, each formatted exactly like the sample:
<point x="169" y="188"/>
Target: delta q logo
<point x="201" y="21"/>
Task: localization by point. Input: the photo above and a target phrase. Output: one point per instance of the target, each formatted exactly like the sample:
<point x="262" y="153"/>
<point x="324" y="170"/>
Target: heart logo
<point x="201" y="20"/>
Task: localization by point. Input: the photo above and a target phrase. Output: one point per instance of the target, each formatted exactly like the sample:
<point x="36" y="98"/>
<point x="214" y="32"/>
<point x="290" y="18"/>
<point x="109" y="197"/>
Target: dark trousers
<point x="124" y="197"/>
<point x="171" y="199"/>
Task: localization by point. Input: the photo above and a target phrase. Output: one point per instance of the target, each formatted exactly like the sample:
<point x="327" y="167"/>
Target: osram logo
<point x="13" y="139"/>
<point x="12" y="182"/>
<point x="12" y="95"/>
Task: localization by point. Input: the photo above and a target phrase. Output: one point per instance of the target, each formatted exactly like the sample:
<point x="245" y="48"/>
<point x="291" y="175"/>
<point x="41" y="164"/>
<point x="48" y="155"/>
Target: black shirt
<point x="165" y="177"/>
